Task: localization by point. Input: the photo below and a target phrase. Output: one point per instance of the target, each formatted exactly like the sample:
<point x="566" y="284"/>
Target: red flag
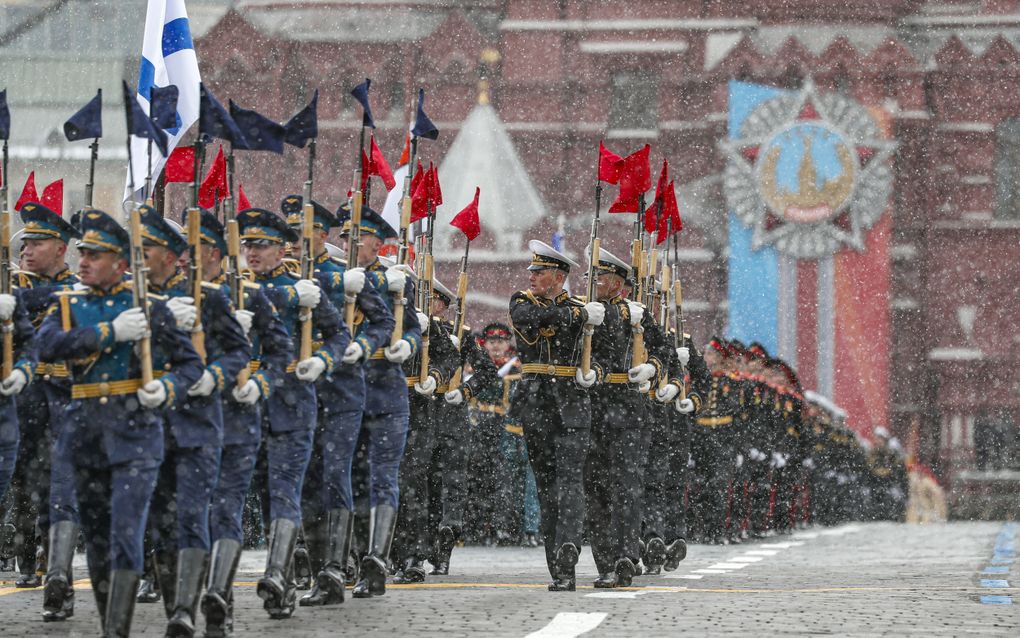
<point x="53" y="197"/>
<point x="214" y="186"/>
<point x="635" y="178"/>
<point x="420" y="185"/>
<point x="405" y="154"/>
<point x="669" y="222"/>
<point x="652" y="213"/>
<point x="467" y="219"/>
<point x="609" y="170"/>
<point x="435" y="192"/>
<point x="180" y="166"/>
<point x="379" y="167"/>
<point x="28" y="194"/>
<point x="242" y="199"/>
<point x="366" y="172"/>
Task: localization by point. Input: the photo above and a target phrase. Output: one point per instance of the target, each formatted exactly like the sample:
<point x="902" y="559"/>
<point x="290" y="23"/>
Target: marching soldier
<point x="22" y="373"/>
<point x="289" y="418"/>
<point x="113" y="435"/>
<point x="328" y="503"/>
<point x="242" y="428"/>
<point x="191" y="465"/>
<point x="385" y="419"/>
<point x="551" y="402"/>
<point x="43" y="271"/>
<point x="448" y="480"/>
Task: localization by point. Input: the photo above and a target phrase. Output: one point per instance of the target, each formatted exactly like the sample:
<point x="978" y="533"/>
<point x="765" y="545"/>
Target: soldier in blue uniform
<point x="242" y="427"/>
<point x="191" y="465"/>
<point x="43" y="271"/>
<point x="384" y="423"/>
<point x="13" y="311"/>
<point x="551" y="402"/>
<point x="289" y="418"/>
<point x="327" y="498"/>
<point x="113" y="429"/>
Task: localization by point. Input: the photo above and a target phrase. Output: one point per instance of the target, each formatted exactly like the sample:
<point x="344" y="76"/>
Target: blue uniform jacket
<point x="374" y="323"/>
<point x="35" y="295"/>
<point x="96" y="360"/>
<point x="385" y="384"/>
<point x="291" y="406"/>
<point x="198" y="421"/>
<point x="271" y="349"/>
<point x="24" y="360"/>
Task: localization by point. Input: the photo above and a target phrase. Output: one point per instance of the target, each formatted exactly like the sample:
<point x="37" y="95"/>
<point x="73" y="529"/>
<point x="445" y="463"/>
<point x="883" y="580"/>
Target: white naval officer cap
<point x="545" y="256"/>
<point x="610" y="263"/>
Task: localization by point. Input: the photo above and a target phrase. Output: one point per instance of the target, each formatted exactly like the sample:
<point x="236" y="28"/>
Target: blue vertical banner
<point x="753" y="288"/>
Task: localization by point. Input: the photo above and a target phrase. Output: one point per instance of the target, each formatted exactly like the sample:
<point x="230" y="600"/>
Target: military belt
<point x="714" y="421"/>
<point x="548" y="369"/>
<point x="412" y="381"/>
<point x="253" y="366"/>
<point x="514" y="429"/>
<point x="105" y="389"/>
<point x="617" y="377"/>
<point x="490" y="408"/>
<point x="51" y="369"/>
<point x="378" y="354"/>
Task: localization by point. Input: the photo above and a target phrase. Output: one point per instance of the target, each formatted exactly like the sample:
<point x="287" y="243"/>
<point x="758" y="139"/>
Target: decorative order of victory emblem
<point x="809" y="173"/>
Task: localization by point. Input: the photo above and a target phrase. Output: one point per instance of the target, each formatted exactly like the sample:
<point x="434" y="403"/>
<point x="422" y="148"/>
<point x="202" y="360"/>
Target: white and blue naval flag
<point x="168" y="57"/>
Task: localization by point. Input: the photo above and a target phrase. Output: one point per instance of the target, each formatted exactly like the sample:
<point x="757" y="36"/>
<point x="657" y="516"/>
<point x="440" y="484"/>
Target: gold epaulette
<point x="70" y="291"/>
<point x="293" y="265"/>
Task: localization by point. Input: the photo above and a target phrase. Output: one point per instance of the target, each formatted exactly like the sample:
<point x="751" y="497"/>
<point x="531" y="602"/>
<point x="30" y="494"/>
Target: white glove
<point x="244" y="317"/>
<point x="423" y="322"/>
<point x="756" y="454"/>
<point x="685" y="407"/>
<point x="641" y="373"/>
<point x="7" y="305"/>
<point x="739" y="461"/>
<point x="684" y="356"/>
<point x="454" y="397"/>
<point x="247" y="394"/>
<point x="427" y="387"/>
<point x="395" y="280"/>
<point x="636" y="313"/>
<point x="778" y="460"/>
<point x="644" y="387"/>
<point x="310" y="368"/>
<point x="308" y="293"/>
<point x="584" y="381"/>
<point x="353" y="353"/>
<point x="204" y="386"/>
<point x="667" y="393"/>
<point x="596" y="313"/>
<point x="455" y="341"/>
<point x="398" y="353"/>
<point x="809" y="463"/>
<point x="15" y="382"/>
<point x="184" y="311"/>
<point x="130" y="325"/>
<point x="354" y="281"/>
<point x="152" y="394"/>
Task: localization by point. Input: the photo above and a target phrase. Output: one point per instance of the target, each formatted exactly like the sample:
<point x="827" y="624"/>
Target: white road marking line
<point x="728" y="566"/>
<point x="746" y="559"/>
<point x="709" y="571"/>
<point x="615" y="594"/>
<point x="569" y="625"/>
<point x="784" y="545"/>
<point x="805" y="535"/>
<point x="685" y="576"/>
<point x="839" y="531"/>
<point x="762" y="552"/>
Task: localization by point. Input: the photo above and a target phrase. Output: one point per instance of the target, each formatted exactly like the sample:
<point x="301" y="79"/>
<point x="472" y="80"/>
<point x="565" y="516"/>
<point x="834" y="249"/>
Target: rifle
<point x="426" y="289"/>
<point x="664" y="301"/>
<point x="354" y="238"/>
<point x="405" y="223"/>
<point x="595" y="249"/>
<point x="678" y="315"/>
<point x="195" y="277"/>
<point x="458" y="322"/>
<point x="307" y="260"/>
<point x="6" y="271"/>
<point x="139" y="290"/>
<point x="638" y="353"/>
<point x="234" y="253"/>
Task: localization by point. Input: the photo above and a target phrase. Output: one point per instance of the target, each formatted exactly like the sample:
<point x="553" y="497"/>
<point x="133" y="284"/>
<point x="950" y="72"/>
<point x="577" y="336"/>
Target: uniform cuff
<point x="265" y="387"/>
<point x="217" y="371"/>
<point x="327" y="358"/>
<point x="104" y="334"/>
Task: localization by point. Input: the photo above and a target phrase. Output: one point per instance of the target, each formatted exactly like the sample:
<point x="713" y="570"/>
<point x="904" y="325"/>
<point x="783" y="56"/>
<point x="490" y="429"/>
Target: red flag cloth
<point x="635" y="179"/>
<point x="669" y="221"/>
<point x="380" y="167"/>
<point x="53" y="196"/>
<point x="420" y="185"/>
<point x="609" y="170"/>
<point x="28" y="194"/>
<point x="405" y="154"/>
<point x="435" y="192"/>
<point x="215" y="183"/>
<point x="180" y="166"/>
<point x="652" y="213"/>
<point x="467" y="219"/>
<point x="366" y="172"/>
<point x="242" y="199"/>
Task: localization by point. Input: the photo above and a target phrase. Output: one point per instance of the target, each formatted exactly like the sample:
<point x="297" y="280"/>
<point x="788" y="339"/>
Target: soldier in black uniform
<point x="551" y="403"/>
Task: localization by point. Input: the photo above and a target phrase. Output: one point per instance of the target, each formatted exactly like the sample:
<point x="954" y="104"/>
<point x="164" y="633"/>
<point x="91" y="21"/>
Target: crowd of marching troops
<point x="371" y="457"/>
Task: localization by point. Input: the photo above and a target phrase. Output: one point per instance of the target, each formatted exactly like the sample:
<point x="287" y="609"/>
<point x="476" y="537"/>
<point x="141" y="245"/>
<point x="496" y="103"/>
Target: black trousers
<point x="486" y="507"/>
<point x="712" y="452"/>
<point x="447" y="482"/>
<point x="412" y="538"/>
<point x="666" y="475"/>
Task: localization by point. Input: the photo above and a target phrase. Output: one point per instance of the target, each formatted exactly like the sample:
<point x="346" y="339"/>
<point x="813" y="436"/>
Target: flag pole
<point x="594" y="254"/>
<point x="458" y="322"/>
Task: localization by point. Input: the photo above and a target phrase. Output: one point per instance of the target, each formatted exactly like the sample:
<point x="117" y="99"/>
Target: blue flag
<point x="260" y="132"/>
<point x="304" y="125"/>
<point x="5" y="117"/>
<point x="423" y="126"/>
<point x="139" y="124"/>
<point x="214" y="121"/>
<point x="163" y="106"/>
<point x="87" y="122"/>
<point x="360" y="94"/>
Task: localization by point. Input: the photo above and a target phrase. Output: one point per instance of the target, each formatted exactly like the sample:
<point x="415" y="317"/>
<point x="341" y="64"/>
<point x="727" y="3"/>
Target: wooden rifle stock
<point x="678" y="337"/>
<point x="458" y="325"/>
<point x="589" y="330"/>
<point x="195" y="273"/>
<point x="307" y="265"/>
<point x="354" y="242"/>
<point x="139" y="291"/>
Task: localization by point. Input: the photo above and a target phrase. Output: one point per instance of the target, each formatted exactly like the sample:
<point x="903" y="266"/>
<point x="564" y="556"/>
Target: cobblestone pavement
<point x="861" y="579"/>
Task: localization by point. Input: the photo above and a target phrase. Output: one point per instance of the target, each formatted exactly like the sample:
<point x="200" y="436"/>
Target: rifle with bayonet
<point x="194" y="226"/>
<point x="426" y="288"/>
<point x="6" y="269"/>
<point x="357" y="202"/>
<point x="458" y="321"/>
<point x="594" y="254"/>
<point x="139" y="291"/>
<point x="307" y="259"/>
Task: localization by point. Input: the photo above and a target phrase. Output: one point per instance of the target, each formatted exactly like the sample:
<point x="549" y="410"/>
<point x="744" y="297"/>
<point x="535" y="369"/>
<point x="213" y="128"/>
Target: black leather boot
<point x="566" y="559"/>
<point x="148" y="587"/>
<point x="331" y="580"/>
<point x="165" y="570"/>
<point x="675" y="552"/>
<point x="444" y="549"/>
<point x="58" y="593"/>
<point x="606" y="580"/>
<point x="276" y="588"/>
<point x="654" y="556"/>
<point x="190" y="568"/>
<point x="120" y="605"/>
<point x="217" y="604"/>
<point x="412" y="571"/>
<point x="302" y="563"/>
<point x="373" y="565"/>
<point x="316" y="547"/>
<point x="624" y="572"/>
